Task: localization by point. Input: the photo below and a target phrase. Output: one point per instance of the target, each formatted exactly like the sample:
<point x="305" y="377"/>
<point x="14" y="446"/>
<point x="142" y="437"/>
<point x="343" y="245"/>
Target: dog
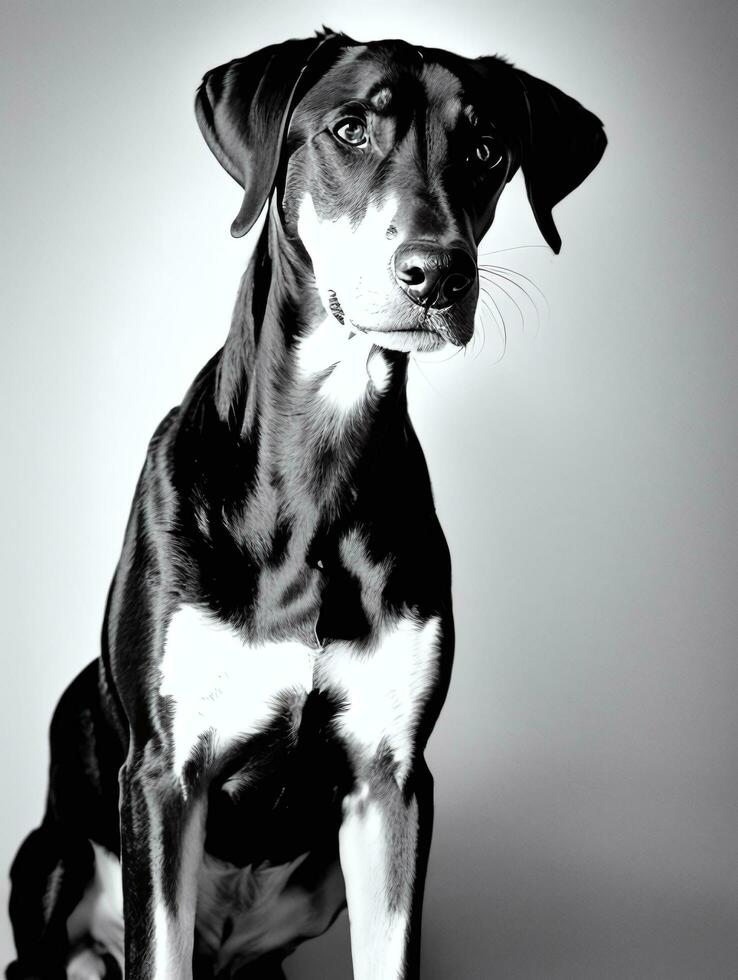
<point x="245" y="757"/>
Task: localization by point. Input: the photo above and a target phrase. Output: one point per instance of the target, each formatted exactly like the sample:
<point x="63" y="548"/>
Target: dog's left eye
<point x="488" y="152"/>
<point x="351" y="131"/>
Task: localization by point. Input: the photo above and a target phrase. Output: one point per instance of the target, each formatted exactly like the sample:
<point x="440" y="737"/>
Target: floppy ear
<point x="243" y="109"/>
<point x="561" y="144"/>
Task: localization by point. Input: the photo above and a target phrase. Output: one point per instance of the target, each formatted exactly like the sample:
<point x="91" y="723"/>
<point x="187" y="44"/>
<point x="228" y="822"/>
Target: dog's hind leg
<point x="48" y="879"/>
<point x="86" y="964"/>
<point x="55" y="874"/>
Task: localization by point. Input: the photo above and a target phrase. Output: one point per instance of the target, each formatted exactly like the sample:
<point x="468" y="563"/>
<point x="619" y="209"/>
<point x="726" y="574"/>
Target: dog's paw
<point x="85" y="965"/>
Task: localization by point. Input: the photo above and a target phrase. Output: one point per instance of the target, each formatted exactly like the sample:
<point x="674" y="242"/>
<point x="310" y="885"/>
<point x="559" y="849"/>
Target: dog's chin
<point x="407" y="341"/>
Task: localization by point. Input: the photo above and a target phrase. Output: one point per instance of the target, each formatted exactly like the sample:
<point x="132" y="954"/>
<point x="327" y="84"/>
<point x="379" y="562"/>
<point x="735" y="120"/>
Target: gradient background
<point x="586" y="759"/>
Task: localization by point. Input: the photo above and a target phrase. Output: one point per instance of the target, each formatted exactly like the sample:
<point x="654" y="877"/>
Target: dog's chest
<point x="220" y="689"/>
<point x="278" y="804"/>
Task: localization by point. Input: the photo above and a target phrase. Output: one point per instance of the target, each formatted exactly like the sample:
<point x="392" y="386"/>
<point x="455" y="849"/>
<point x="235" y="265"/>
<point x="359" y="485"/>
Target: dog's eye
<point x="351" y="131"/>
<point x="488" y="153"/>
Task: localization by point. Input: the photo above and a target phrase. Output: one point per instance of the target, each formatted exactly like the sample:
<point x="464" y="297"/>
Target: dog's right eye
<point x="351" y="131"/>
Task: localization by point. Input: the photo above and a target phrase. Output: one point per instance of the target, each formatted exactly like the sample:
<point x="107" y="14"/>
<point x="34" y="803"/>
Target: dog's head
<point x="388" y="161"/>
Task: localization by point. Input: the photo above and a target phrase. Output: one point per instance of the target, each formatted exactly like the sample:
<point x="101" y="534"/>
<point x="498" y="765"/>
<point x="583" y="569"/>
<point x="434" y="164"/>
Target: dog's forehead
<point x="387" y="76"/>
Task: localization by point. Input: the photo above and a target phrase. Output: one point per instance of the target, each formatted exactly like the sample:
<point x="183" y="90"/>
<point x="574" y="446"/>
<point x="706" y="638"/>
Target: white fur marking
<point x="347" y="256"/>
<point x="378" y="935"/>
<point x="220" y="685"/>
<point x="352" y="360"/>
<point x="165" y="954"/>
<point x="385" y="687"/>
<point x="99" y="914"/>
<point x="174" y="931"/>
<point x="354" y="261"/>
<point x="85" y="964"/>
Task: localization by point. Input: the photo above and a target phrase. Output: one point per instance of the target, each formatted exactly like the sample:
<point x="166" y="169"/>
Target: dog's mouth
<point x="404" y="339"/>
<point x="336" y="308"/>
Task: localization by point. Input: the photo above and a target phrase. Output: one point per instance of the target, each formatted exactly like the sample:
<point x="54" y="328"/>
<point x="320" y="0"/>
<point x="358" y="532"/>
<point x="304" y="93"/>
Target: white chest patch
<point x="384" y="688"/>
<point x="222" y="687"/>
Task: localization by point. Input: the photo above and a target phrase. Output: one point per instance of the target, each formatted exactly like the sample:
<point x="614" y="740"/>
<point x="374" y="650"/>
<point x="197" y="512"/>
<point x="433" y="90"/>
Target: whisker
<point x="424" y="375"/>
<point x="482" y="327"/>
<point x="484" y="300"/>
<point x="440" y="360"/>
<point x="502" y="328"/>
<point x="520" y="275"/>
<point x="494" y="273"/>
<point x="511" y="298"/>
<point x="512" y="248"/>
<point x="491" y="279"/>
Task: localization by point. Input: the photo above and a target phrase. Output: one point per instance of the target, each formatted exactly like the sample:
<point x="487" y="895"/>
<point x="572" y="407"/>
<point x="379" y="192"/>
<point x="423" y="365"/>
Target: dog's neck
<point x="293" y="449"/>
<point x="314" y="399"/>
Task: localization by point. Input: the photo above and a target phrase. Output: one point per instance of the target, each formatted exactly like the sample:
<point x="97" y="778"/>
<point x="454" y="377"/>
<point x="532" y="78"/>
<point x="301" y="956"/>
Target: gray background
<point x="585" y="762"/>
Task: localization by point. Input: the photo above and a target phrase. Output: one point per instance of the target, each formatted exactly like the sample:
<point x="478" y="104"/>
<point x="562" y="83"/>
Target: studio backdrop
<point x="582" y="453"/>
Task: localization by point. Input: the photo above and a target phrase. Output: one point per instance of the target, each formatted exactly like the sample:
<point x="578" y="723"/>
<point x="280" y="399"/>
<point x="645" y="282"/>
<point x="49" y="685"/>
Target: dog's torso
<point x="317" y="657"/>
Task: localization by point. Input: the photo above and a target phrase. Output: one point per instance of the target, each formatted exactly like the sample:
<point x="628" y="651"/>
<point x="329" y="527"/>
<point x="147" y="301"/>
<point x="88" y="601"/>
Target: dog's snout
<point x="432" y="275"/>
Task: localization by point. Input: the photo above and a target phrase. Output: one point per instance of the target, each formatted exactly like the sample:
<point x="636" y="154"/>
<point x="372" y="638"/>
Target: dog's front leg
<point x="384" y="841"/>
<point x="162" y="835"/>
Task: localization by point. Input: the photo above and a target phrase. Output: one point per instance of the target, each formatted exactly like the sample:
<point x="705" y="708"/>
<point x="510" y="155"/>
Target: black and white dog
<point x="245" y="758"/>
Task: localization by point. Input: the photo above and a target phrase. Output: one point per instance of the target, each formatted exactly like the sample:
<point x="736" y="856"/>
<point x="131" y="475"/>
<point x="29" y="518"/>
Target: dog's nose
<point x="434" y="276"/>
